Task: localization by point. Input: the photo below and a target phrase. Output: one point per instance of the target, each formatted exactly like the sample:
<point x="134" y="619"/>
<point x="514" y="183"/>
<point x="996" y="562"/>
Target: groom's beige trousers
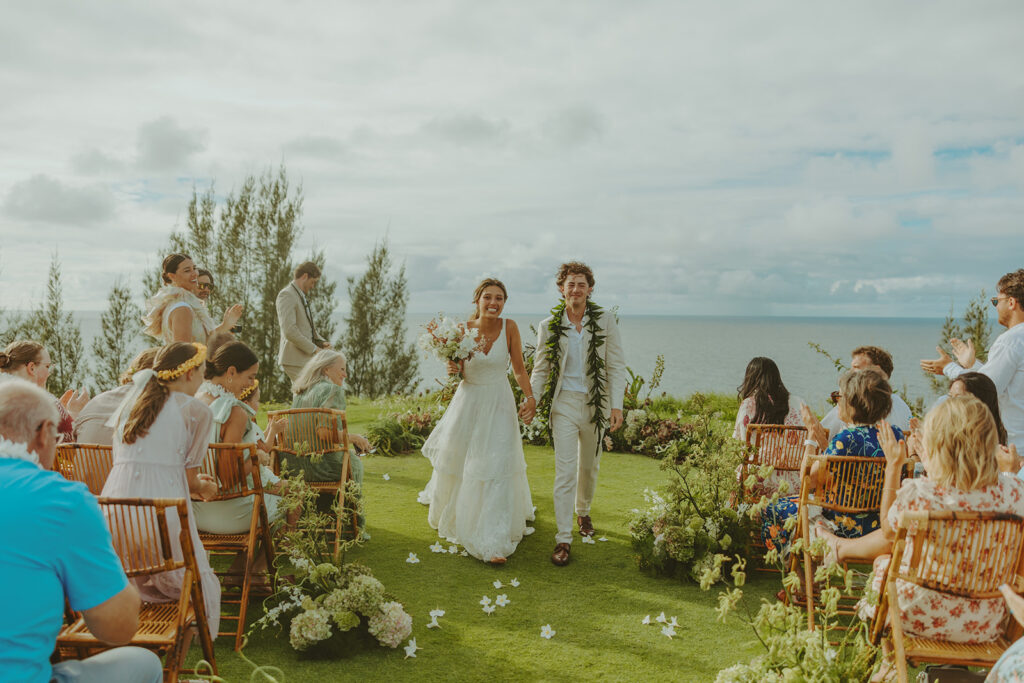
<point x="576" y="459"/>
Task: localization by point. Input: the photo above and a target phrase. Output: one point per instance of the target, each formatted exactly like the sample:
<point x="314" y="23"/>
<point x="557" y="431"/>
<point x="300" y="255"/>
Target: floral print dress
<point x="930" y="614"/>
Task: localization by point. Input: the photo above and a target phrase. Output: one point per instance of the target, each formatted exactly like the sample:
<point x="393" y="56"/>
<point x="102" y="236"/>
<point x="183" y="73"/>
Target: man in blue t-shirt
<point x="55" y="544"/>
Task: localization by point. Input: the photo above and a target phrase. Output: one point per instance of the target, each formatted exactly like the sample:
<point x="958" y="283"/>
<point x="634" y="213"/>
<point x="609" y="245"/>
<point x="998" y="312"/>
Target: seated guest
<point x="862" y="358"/>
<point x="30" y="360"/>
<point x="59" y="549"/>
<point x="764" y="399"/>
<point x="959" y="446"/>
<point x="864" y="398"/>
<point x="319" y="385"/>
<point x="90" y="425"/>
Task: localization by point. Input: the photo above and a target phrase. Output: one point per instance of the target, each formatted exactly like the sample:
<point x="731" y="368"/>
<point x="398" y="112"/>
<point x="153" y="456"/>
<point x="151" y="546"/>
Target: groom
<point x="579" y="373"/>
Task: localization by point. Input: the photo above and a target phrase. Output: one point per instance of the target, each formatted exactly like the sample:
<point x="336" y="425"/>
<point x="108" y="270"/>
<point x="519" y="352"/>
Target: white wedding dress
<point x="478" y="495"/>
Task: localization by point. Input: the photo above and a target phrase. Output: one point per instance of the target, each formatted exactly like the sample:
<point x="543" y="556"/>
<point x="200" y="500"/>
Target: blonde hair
<point x="960" y="439"/>
<point x="313" y="371"/>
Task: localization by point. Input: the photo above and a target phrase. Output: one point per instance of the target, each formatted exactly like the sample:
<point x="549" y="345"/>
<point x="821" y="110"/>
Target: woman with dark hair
<point x="983" y="388"/>
<point x="175" y="313"/>
<point x="31" y="361"/>
<point x="764" y="399"/>
<point x="161" y="434"/>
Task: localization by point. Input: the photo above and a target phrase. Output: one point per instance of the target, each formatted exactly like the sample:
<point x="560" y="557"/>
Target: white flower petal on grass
<point x="603" y="539"/>
<point x="453" y="549"/>
<point x="437" y="548"/>
<point x="546" y="631"/>
<point x="501" y="600"/>
<point x="646" y="620"/>
<point x="588" y="539"/>
<point x="489" y="609"/>
<point x="435" y="613"/>
<point x="485" y="601"/>
<point x="514" y="583"/>
<point x="668" y="631"/>
<point x="661" y="618"/>
<point x="464" y="553"/>
<point x="673" y="623"/>
<point x="412" y="559"/>
<point x="410" y="649"/>
<point x="497" y="583"/>
<point x="387" y="477"/>
<point x="433" y="623"/>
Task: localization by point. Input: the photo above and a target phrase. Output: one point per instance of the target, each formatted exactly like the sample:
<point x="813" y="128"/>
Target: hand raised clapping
<point x="895" y="451"/>
<point x="965" y="353"/>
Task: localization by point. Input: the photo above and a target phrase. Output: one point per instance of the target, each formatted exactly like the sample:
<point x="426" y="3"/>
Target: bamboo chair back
<point x="87" y="463"/>
<point x="311" y="432"/>
<point x="849" y="484"/>
<point x="781" y="446"/>
<point x="143" y="532"/>
<point x="227" y="462"/>
<point x="966" y="554"/>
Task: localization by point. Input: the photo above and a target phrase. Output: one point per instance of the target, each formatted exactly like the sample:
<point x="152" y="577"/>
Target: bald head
<point x="28" y="415"/>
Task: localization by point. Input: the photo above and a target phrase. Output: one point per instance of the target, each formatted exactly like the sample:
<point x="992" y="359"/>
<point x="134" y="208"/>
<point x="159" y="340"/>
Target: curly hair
<point x="960" y="440"/>
<point x="573" y="268"/>
<point x="1012" y="284"/>
<point x="878" y="356"/>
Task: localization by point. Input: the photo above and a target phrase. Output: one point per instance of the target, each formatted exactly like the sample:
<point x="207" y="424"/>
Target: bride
<point x="478" y="495"/>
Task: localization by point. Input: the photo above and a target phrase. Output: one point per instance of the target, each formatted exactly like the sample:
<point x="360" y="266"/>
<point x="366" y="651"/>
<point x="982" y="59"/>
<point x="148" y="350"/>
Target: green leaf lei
<point x="594" y="362"/>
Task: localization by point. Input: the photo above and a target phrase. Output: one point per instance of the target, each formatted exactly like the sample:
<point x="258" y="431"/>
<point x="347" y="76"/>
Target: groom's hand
<point x="616" y="420"/>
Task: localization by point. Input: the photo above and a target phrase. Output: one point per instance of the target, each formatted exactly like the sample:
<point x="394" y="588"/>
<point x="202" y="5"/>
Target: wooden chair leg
<point x="808" y="568"/>
<point x="896" y="628"/>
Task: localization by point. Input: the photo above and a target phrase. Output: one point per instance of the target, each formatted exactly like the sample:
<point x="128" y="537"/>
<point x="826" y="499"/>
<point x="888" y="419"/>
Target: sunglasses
<point x="205" y="287"/>
<point x="996" y="299"/>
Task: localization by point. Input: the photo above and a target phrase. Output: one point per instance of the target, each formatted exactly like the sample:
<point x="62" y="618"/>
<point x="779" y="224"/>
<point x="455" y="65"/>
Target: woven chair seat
<point x="219" y="541"/>
<point x="968" y="654"/>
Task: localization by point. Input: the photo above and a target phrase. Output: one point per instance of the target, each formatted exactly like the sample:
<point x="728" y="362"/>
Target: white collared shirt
<point x="572" y="373"/>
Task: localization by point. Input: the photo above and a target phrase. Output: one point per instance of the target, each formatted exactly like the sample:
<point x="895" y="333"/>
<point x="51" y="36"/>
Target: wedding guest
<point x="1005" y="364"/>
<point x="319" y="385"/>
<point x="160" y="441"/>
<point x="862" y="358"/>
<point x="299" y="338"/>
<point x="175" y="313"/>
<point x="30" y="360"/>
<point x="204" y="284"/>
<point x="864" y="398"/>
<point x="59" y="549"/>
<point x="90" y="425"/>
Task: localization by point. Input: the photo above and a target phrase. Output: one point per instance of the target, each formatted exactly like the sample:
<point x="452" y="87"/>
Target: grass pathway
<point x="595" y="604"/>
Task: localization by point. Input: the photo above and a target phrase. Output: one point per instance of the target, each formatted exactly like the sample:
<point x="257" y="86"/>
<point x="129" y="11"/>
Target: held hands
<point x="895" y="451"/>
<point x="936" y="366"/>
<point x="233" y="314"/>
<point x="527" y="409"/>
<point x="615" y="421"/>
<point x="965" y="354"/>
<point x="74" y="401"/>
<point x="814" y="429"/>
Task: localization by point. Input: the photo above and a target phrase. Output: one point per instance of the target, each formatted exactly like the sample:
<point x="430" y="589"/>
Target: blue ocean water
<point x="711" y="353"/>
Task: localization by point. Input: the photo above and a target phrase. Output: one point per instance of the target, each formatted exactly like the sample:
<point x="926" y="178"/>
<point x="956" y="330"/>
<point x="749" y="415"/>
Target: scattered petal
<point x="646" y="620"/>
<point x="433" y="623"/>
<point x="673" y="623"/>
<point x="485" y="601"/>
<point x="489" y="609"/>
<point x="546" y="631"/>
<point x="435" y="613"/>
<point x="453" y="549"/>
<point x="514" y="583"/>
<point x="437" y="548"/>
<point x="501" y="600"/>
<point x="668" y="631"/>
<point x="410" y="649"/>
<point x="661" y="618"/>
<point x="387" y="477"/>
<point x="588" y="539"/>
<point x="412" y="559"/>
<point x="603" y="539"/>
<point x="464" y="553"/>
<point x="497" y="583"/>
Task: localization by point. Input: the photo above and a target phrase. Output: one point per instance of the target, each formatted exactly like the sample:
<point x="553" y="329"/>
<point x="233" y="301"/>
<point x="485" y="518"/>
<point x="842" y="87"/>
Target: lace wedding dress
<point x="478" y="495"/>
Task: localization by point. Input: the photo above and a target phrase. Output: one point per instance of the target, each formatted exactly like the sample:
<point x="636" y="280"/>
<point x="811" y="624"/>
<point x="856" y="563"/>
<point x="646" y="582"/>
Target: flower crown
<point x="247" y="392"/>
<point x="192" y="363"/>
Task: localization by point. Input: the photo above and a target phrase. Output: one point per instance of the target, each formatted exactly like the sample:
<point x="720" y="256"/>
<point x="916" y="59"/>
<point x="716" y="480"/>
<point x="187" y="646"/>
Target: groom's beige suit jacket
<point x="611" y="351"/>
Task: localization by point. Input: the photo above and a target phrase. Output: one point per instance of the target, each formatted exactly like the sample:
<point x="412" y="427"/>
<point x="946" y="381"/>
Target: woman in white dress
<point x="479" y="495"/>
<point x="175" y="313"/>
<point x="160" y="440"/>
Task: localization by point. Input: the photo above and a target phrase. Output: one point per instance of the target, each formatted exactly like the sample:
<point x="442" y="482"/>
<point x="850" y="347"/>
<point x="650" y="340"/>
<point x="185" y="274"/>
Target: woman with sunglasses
<point x="177" y="313"/>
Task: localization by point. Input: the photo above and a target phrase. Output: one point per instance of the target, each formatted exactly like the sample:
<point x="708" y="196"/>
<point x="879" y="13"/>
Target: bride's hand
<point x="456" y="368"/>
<point x="528" y="410"/>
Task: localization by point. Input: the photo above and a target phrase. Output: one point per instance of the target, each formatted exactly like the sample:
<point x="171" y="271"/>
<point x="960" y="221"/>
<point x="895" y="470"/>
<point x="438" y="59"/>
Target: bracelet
<point x="531" y="398"/>
<point x="810" y="442"/>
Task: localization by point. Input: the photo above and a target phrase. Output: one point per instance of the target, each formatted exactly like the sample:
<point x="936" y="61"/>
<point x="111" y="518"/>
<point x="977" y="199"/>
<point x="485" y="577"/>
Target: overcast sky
<point x="704" y="158"/>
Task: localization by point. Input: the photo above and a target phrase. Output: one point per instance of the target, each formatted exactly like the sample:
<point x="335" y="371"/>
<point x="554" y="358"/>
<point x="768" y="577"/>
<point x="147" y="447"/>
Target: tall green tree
<point x="247" y="242"/>
<point x="379" y="360"/>
<point x="974" y="325"/>
<point x="323" y="299"/>
<point x="57" y="330"/>
<point x="118" y="340"/>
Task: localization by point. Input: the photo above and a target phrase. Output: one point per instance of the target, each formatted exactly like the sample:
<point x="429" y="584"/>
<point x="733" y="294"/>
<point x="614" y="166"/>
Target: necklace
<point x="215" y="390"/>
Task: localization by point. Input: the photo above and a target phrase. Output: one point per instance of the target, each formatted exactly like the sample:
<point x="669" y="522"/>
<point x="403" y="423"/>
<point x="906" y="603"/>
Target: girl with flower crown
<point x="161" y="434"/>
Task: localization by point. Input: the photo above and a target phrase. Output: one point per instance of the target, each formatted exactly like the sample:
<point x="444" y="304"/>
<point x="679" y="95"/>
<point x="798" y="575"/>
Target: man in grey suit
<point x="299" y="339"/>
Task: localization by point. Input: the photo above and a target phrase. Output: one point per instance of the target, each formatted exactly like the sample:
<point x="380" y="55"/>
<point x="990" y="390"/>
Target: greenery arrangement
<point x="683" y="526"/>
<point x="403" y="431"/>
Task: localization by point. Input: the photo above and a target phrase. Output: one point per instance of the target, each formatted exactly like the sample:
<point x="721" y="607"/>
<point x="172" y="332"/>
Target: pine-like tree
<point x="323" y="299"/>
<point x="975" y="325"/>
<point x="379" y="360"/>
<point x="57" y="330"/>
<point x="114" y="348"/>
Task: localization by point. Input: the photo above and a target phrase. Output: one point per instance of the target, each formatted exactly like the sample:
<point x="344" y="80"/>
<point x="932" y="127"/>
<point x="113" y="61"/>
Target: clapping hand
<point x="274" y="428"/>
<point x="74" y="401"/>
<point x="895" y="451"/>
<point x="965" y="353"/>
<point x="936" y="366"/>
<point x="814" y="428"/>
<point x="233" y="315"/>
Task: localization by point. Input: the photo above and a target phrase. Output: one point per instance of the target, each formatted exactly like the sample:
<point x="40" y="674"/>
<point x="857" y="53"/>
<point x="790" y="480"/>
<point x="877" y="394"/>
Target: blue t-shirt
<point x="54" y="542"/>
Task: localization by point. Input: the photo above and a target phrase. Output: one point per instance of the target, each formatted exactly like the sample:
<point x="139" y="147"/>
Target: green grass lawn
<point x="595" y="604"/>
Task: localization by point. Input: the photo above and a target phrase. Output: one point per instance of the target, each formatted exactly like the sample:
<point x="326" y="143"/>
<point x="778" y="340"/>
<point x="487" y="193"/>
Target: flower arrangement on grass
<point x="321" y="599"/>
<point x="396" y="433"/>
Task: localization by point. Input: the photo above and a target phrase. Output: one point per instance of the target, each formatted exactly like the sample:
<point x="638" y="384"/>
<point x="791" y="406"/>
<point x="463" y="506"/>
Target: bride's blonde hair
<point x="960" y="440"/>
<point x="484" y="284"/>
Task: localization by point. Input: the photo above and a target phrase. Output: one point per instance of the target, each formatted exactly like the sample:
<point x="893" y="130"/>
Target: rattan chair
<point x="142" y="539"/>
<point x="968" y="554"/>
<point x="314" y="432"/>
<point x="87" y="463"/>
<point x="226" y="463"/>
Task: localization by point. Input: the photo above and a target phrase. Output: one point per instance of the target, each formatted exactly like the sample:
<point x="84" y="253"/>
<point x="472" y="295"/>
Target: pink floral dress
<point x="930" y="614"/>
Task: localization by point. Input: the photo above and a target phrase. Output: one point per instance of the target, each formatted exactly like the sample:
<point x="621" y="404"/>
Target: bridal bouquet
<point x="449" y="340"/>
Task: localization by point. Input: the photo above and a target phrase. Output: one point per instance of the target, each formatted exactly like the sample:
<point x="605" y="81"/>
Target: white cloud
<point x="45" y="199"/>
<point x="164" y="145"/>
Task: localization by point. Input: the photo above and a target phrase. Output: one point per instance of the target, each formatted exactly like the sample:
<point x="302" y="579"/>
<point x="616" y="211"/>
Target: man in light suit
<point x="299" y="339"/>
<point x="570" y="407"/>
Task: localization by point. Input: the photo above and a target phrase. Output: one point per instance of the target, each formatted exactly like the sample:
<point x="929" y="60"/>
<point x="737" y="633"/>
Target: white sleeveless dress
<point x="479" y="496"/>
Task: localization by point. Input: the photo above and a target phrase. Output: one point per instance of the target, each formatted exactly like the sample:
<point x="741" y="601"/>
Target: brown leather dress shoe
<point x="586" y="527"/>
<point x="561" y="555"/>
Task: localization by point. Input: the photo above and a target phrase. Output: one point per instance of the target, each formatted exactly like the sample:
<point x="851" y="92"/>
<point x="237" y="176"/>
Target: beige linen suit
<point x="576" y="441"/>
<point x="298" y="343"/>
